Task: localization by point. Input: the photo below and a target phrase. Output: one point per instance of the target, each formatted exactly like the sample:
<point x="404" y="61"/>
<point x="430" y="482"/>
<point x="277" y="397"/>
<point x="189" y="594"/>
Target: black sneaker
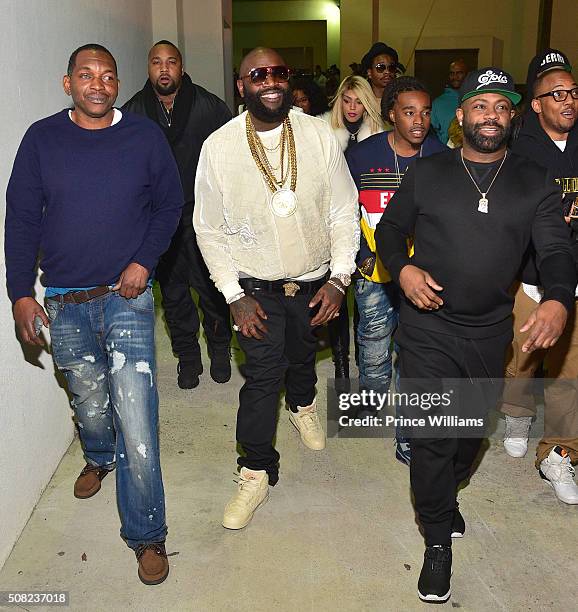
<point x="188" y="373"/>
<point x="434" y="579"/>
<point x="220" y="364"/>
<point x="458" y="524"/>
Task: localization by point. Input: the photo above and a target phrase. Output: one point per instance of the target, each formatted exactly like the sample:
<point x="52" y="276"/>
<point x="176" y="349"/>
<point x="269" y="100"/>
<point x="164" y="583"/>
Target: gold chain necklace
<point x="260" y="158"/>
<point x="263" y="155"/>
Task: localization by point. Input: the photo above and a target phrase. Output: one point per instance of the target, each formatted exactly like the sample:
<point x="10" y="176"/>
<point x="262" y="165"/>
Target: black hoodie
<point x="533" y="143"/>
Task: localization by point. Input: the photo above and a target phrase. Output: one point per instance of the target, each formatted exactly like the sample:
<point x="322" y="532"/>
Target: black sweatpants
<point x="439" y="465"/>
<point x="181" y="268"/>
<point x="286" y="354"/>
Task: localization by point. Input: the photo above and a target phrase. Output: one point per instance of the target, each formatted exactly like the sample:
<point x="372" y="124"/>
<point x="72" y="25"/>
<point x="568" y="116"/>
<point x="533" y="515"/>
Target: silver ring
<point x="236" y="327"/>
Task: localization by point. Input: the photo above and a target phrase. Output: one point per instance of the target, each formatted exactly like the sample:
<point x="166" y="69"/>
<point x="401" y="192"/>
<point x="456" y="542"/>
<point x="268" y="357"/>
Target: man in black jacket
<point x="548" y="136"/>
<point x="472" y="213"/>
<point x="188" y="114"/>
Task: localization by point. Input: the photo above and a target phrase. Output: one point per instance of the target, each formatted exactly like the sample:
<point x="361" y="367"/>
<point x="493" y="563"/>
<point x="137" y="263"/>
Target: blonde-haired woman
<point x="355" y="113"/>
<point x="354" y="116"/>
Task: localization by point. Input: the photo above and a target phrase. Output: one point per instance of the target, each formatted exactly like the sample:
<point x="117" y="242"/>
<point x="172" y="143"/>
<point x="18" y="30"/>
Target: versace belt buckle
<point x="290" y="289"/>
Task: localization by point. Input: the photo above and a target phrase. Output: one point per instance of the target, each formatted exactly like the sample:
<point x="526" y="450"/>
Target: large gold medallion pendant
<point x="284" y="202"/>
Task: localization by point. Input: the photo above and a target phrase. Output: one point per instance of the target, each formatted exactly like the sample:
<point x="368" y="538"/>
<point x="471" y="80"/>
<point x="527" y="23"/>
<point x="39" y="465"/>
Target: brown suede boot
<point x="88" y="482"/>
<point x="153" y="565"/>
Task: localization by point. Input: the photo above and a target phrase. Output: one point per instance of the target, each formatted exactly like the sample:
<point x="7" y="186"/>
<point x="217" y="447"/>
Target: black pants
<point x="285" y="355"/>
<point x="439" y="465"/>
<point x="181" y="268"/>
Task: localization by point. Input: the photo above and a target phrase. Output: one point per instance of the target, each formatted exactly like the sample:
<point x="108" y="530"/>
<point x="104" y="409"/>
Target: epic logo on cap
<point x="489" y="77"/>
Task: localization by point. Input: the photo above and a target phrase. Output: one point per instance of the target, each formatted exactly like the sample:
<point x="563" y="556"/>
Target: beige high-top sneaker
<point x="253" y="492"/>
<point x="309" y="426"/>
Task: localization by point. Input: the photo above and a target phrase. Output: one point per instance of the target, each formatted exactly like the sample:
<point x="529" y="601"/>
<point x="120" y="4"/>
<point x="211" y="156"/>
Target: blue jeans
<point x="106" y="350"/>
<point x="378" y="306"/>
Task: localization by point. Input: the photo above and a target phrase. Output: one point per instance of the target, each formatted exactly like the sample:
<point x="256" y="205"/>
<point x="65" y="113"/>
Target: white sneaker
<point x="516" y="436"/>
<point x="558" y="472"/>
<point x="253" y="492"/>
<point x="309" y="427"/>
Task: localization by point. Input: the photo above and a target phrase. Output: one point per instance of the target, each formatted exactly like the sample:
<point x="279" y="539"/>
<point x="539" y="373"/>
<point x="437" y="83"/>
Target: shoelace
<point x="517" y="427"/>
<point x="438" y="558"/>
<point x="247" y="487"/>
<point x="158" y="548"/>
<point x="310" y="421"/>
<point x="565" y="472"/>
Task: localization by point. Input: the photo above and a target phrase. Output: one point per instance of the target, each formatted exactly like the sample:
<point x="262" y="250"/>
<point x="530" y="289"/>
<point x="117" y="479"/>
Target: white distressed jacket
<point x="236" y="229"/>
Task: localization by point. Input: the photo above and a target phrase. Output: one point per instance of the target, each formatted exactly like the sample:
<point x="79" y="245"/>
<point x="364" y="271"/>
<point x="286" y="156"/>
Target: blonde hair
<point x="362" y="89"/>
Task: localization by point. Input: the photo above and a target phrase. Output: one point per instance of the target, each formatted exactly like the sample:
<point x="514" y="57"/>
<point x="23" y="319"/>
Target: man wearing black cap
<point x="472" y="213"/>
<point x="549" y="136"/>
<point x="381" y="65"/>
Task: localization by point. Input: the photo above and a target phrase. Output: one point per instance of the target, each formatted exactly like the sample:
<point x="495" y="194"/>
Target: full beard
<point x="262" y="112"/>
<point x="485" y="144"/>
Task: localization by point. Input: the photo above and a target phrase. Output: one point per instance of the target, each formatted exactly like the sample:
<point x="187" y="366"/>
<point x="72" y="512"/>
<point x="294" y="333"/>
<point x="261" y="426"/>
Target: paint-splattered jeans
<point x="106" y="350"/>
<point x="378" y="306"/>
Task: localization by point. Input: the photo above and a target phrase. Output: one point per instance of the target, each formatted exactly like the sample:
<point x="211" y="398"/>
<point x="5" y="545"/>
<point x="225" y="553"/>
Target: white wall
<point x="197" y="27"/>
<point x="37" y="39"/>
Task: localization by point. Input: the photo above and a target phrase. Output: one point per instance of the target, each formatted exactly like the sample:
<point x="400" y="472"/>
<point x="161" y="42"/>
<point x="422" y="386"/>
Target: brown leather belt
<point x="80" y="297"/>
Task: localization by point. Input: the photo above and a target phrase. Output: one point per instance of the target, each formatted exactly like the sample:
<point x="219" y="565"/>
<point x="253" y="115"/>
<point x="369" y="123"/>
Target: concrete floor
<point x="337" y="534"/>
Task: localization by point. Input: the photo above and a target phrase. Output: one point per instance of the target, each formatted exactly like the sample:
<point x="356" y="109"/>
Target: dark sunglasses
<point x="560" y="95"/>
<point x="379" y="68"/>
<point x="259" y="75"/>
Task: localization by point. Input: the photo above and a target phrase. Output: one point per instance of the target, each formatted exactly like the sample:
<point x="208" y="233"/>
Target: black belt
<point x="286" y="286"/>
<point x="80" y="297"/>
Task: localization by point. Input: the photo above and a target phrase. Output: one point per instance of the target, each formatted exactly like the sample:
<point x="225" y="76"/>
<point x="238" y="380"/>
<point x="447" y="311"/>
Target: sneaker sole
<point x="457" y="534"/>
<point x="265" y="500"/>
<point x="435" y="598"/>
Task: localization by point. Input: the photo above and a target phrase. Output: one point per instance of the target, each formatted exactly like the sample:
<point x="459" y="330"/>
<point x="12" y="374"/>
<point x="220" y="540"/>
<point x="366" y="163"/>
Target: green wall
<point x="253" y="19"/>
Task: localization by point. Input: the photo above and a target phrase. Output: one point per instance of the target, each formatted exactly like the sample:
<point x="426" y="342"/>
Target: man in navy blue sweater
<point x="97" y="193"/>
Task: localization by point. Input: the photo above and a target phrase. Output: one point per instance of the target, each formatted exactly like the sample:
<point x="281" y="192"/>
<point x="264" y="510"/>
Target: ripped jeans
<point x="378" y="306"/>
<point x="106" y="350"/>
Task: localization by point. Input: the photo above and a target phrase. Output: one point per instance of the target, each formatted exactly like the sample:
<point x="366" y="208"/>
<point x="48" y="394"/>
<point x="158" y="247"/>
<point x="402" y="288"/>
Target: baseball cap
<point x="490" y="80"/>
<point x="549" y="59"/>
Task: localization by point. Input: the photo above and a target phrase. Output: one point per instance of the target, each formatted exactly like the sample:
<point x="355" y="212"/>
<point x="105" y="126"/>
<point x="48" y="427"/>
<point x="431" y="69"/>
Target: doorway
<point x="432" y="66"/>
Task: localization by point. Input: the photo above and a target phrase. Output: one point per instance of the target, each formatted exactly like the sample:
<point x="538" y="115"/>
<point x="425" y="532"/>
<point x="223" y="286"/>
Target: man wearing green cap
<point x="472" y="213"/>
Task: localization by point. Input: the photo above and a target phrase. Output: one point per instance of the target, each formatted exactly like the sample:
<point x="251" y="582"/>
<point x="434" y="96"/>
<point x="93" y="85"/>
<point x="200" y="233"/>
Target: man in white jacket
<point x="276" y="218"/>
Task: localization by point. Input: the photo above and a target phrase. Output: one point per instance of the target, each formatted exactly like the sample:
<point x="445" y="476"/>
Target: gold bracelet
<point x="338" y="287"/>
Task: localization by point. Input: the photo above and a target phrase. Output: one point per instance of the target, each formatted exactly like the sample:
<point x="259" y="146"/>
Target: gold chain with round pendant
<point x="258" y="153"/>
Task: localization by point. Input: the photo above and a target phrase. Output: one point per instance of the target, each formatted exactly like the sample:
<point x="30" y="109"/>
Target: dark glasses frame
<point x="259" y="75"/>
<point x="383" y="67"/>
<point x="555" y="94"/>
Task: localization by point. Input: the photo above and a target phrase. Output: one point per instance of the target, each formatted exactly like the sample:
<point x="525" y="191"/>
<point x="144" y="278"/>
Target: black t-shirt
<point x="483" y="173"/>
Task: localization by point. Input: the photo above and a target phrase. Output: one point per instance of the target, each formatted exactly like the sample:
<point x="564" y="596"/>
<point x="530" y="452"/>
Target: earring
<point x="460" y="124"/>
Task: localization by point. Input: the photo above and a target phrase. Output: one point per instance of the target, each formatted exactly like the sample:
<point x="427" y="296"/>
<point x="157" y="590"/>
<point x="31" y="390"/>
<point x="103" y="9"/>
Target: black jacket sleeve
<point x="396" y="225"/>
<point x="551" y="239"/>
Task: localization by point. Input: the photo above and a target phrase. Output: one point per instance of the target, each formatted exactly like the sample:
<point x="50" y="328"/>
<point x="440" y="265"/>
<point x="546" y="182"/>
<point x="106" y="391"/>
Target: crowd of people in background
<point x="444" y="216"/>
